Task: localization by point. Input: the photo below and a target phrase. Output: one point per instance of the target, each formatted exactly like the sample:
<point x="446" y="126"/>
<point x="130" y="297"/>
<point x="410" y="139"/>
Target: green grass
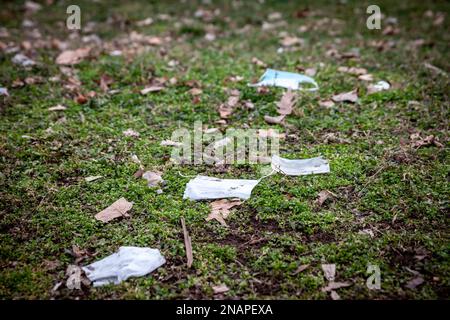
<point x="380" y="182"/>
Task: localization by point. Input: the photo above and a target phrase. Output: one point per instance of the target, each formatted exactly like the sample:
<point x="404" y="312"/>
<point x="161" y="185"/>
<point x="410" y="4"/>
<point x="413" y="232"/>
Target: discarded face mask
<point x="127" y="262"/>
<point x="300" y="167"/>
<point x="288" y="80"/>
<point x="202" y="187"/>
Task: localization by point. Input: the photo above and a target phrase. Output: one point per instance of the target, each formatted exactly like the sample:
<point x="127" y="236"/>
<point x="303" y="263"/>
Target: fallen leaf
<point x="151" y="89"/>
<point x="353" y="70"/>
<point x="258" y="62"/>
<point x="274" y="16"/>
<point x="435" y="69"/>
<point x="335" y="296"/>
<point x="439" y="19"/>
<point x="270" y="133"/>
<point x="324" y="195"/>
<point x="105" y="81"/>
<point x="130" y="133"/>
<point x="81" y="99"/>
<point x="57" y="108"/>
<point x="117" y="209"/>
<point x="419" y="142"/>
<point x="153" y="178"/>
<point x="286" y="103"/>
<point x="220" y="209"/>
<point x="415" y="282"/>
<point x="366" y="77"/>
<point x="274" y="120"/>
<point x="326" y="103"/>
<point x="350" y="96"/>
<point x="139" y="173"/>
<point x="289" y="41"/>
<point x="145" y="22"/>
<point x="187" y="243"/>
<point x="195" y="91"/>
<point x="226" y="109"/>
<point x="70" y="57"/>
<point x="220" y="289"/>
<point x="329" y="271"/>
<point x="73" y="274"/>
<point x="92" y="178"/>
<point x="366" y="232"/>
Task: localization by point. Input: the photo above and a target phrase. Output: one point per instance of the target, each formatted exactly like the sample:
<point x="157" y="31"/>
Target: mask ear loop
<point x="179" y="173"/>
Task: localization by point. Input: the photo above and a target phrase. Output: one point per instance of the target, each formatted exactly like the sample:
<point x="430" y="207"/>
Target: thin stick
<point x="187" y="243"/>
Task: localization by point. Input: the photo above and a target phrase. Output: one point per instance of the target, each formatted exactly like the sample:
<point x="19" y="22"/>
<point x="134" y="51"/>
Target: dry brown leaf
<point x="289" y="41"/>
<point x="418" y="142"/>
<point x="151" y="89"/>
<point x="70" y="57"/>
<point x="329" y="271"/>
<point x="335" y="296"/>
<point x="270" y="133"/>
<point x="353" y="70"/>
<point x="366" y="77"/>
<point x="351" y="96"/>
<point x="220" y="289"/>
<point x="274" y="120"/>
<point x="153" y="178"/>
<point x="220" y="209"/>
<point x="258" y="62"/>
<point x="286" y="103"/>
<point x="226" y="109"/>
<point x="105" y="81"/>
<point x="415" y="282"/>
<point x="130" y="133"/>
<point x="326" y="103"/>
<point x="187" y="243"/>
<point x="81" y="99"/>
<point x="324" y="196"/>
<point x="195" y="91"/>
<point x="116" y="210"/>
<point x="138" y="174"/>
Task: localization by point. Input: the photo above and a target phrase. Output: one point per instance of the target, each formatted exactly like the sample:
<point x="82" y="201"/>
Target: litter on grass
<point x="116" y="210"/>
<point x="202" y="187"/>
<point x="300" y="167"/>
<point x="288" y="80"/>
<point x="127" y="262"/>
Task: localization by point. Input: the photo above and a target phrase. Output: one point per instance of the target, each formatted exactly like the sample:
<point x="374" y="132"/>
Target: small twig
<point x="187" y="243"/>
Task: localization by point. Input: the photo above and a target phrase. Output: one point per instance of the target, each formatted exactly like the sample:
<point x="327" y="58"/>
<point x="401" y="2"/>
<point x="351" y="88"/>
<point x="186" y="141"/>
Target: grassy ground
<point x="381" y="182"/>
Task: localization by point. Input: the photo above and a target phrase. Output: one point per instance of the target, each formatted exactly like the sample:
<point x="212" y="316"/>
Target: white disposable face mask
<point x="202" y="187"/>
<point x="288" y="80"/>
<point x="127" y="262"/>
<point x="300" y="167"/>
